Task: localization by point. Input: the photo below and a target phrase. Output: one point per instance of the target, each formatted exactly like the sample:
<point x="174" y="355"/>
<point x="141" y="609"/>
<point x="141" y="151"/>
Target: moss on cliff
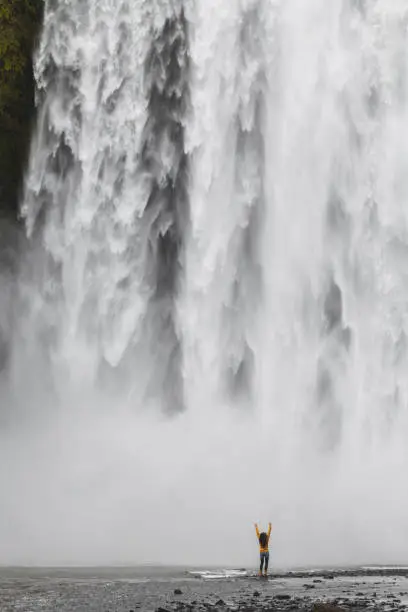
<point x="19" y="25"/>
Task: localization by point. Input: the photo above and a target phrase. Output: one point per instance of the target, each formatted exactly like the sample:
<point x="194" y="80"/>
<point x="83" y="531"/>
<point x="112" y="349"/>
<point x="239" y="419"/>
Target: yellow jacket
<point x="264" y="549"/>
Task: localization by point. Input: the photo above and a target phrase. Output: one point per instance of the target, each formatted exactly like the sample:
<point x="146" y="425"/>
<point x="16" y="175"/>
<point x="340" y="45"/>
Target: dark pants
<point x="264" y="559"/>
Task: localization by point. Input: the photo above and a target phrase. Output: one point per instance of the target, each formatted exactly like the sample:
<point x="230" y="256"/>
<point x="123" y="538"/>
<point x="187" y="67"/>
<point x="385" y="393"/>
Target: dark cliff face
<point x="20" y="22"/>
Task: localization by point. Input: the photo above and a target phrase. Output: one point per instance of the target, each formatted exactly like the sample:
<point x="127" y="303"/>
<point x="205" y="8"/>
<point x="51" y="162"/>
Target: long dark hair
<point x="263" y="539"/>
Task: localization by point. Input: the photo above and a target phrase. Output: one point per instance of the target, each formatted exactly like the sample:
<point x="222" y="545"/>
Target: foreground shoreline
<point x="369" y="589"/>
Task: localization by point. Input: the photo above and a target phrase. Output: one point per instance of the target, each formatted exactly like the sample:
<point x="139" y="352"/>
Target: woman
<point x="263" y="539"/>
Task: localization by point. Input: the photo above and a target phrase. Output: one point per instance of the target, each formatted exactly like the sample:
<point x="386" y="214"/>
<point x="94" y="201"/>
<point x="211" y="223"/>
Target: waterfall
<point x="210" y="321"/>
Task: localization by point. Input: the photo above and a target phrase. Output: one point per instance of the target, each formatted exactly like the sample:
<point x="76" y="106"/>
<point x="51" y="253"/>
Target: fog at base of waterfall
<point x="140" y="489"/>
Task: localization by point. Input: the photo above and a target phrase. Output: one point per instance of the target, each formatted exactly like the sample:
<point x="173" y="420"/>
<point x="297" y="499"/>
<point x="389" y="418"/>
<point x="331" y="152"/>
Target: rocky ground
<point x="168" y="591"/>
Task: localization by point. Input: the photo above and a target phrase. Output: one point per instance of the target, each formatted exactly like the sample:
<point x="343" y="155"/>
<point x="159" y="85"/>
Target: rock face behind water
<point x="20" y="23"/>
<point x="12" y="237"/>
<point x="11" y="240"/>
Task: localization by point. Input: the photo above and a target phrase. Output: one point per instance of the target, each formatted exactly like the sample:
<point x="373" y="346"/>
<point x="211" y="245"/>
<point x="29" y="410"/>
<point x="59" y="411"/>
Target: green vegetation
<point x="19" y="25"/>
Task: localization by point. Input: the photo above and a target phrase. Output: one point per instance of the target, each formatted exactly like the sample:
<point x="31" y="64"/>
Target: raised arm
<point x="269" y="529"/>
<point x="257" y="530"/>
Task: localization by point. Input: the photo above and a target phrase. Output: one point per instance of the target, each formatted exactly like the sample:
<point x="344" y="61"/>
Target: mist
<point x="107" y="490"/>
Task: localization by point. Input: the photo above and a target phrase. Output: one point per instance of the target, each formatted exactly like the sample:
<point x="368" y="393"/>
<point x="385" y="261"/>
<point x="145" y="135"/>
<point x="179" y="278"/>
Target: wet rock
<point x="221" y="603"/>
<point x="326" y="607"/>
<point x="282" y="596"/>
<point x="178" y="592"/>
<point x="257" y="594"/>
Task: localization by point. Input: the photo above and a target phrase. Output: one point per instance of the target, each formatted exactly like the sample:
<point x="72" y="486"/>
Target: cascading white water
<point x="211" y="320"/>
